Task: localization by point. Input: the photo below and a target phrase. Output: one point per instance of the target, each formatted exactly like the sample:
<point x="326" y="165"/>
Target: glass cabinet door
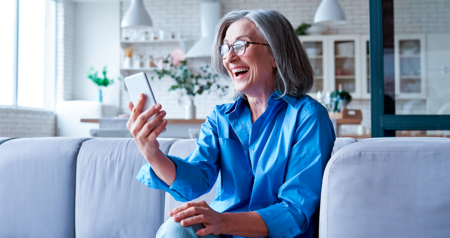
<point x="409" y="67"/>
<point x="315" y="50"/>
<point x="344" y="65"/>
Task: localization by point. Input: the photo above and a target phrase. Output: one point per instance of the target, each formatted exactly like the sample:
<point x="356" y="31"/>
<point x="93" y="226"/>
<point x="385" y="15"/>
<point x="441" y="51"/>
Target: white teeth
<point x="239" y="70"/>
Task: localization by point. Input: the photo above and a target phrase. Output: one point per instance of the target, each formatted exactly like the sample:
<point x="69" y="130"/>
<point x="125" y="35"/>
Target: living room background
<point x="74" y="57"/>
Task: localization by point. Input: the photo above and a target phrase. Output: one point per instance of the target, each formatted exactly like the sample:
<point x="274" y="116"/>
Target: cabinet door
<point x="315" y="47"/>
<point x="410" y="61"/>
<point x="345" y="63"/>
<point x="365" y="67"/>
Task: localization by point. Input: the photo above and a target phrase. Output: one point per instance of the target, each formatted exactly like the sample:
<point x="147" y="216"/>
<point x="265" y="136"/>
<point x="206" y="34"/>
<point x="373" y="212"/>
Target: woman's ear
<point x="274" y="64"/>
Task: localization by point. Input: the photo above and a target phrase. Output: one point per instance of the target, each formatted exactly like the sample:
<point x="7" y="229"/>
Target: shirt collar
<point x="288" y="99"/>
<point x="276" y="95"/>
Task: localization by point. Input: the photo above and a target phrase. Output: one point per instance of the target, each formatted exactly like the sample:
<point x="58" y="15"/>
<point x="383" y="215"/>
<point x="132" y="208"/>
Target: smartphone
<point x="137" y="84"/>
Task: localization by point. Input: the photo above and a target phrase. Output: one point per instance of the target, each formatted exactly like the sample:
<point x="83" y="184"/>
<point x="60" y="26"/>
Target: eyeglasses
<point x="238" y="47"/>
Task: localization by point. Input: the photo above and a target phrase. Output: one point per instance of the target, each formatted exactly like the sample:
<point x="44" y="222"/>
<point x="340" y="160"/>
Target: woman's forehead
<point x="242" y="29"/>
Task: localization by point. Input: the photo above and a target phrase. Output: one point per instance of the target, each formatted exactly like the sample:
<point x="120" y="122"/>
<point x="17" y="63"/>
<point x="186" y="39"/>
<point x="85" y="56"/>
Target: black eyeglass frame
<point x="231" y="46"/>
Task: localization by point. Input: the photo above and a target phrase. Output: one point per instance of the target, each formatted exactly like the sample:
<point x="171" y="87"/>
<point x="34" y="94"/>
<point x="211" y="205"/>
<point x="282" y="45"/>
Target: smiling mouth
<point x="240" y="72"/>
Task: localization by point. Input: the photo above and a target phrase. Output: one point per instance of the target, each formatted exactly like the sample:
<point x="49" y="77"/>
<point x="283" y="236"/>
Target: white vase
<point x="190" y="109"/>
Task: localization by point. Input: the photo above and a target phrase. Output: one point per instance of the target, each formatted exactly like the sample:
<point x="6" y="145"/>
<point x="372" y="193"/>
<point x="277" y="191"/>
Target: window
<point x="28" y="63"/>
<point x="410" y="61"/>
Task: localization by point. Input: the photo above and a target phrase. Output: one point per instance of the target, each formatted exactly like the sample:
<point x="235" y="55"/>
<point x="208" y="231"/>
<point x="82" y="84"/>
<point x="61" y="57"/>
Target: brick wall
<point x="65" y="34"/>
<point x="26" y="123"/>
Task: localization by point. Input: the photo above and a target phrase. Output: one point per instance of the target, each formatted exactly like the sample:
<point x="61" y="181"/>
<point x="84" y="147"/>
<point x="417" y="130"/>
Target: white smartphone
<point x="137" y="84"/>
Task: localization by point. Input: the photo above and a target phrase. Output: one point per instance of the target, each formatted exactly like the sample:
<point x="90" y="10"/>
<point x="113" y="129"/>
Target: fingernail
<point x="142" y="96"/>
<point x="157" y="106"/>
<point x="175" y="217"/>
<point x="170" y="213"/>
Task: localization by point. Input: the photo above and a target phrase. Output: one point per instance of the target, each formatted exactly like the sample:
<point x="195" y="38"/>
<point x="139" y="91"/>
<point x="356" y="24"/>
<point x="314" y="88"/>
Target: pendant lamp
<point x="136" y="16"/>
<point x="329" y="12"/>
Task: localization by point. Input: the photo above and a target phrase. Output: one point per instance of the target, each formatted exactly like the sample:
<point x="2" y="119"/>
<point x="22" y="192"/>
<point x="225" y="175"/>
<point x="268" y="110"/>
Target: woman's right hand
<point x="143" y="131"/>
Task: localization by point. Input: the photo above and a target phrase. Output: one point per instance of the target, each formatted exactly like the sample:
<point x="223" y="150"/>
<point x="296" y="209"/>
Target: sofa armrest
<point x="388" y="187"/>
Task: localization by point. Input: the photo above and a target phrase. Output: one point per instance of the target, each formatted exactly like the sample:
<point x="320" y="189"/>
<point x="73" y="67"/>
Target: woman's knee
<point x="172" y="229"/>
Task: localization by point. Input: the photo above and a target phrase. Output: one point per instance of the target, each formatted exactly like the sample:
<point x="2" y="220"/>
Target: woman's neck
<point x="258" y="103"/>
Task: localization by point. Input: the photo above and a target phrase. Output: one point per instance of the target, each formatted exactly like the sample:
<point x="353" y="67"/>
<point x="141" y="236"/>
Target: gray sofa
<point x="84" y="187"/>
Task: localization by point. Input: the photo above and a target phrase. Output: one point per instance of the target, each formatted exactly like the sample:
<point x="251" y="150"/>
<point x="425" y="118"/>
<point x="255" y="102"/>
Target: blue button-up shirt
<point x="273" y="166"/>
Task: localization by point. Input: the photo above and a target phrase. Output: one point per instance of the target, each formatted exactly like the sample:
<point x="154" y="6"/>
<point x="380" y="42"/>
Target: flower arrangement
<point x="192" y="84"/>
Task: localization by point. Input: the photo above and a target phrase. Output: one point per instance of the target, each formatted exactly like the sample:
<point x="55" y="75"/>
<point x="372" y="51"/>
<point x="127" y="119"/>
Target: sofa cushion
<point x="387" y="187"/>
<point x="110" y="202"/>
<point x="37" y="187"/>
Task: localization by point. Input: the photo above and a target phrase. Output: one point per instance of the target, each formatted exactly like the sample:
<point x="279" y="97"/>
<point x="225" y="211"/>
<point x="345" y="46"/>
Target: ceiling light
<point x="329" y="12"/>
<point x="136" y="16"/>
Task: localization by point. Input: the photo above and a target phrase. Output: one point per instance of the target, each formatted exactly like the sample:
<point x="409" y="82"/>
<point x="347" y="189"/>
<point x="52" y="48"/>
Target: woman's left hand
<point x="199" y="212"/>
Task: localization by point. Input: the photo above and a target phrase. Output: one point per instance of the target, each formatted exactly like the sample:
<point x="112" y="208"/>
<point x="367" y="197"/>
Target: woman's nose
<point x="230" y="56"/>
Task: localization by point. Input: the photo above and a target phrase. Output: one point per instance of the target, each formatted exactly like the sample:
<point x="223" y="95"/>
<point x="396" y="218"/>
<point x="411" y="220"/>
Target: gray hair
<point x="294" y="76"/>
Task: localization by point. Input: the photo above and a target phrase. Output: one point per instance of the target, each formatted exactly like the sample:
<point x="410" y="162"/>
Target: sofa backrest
<point x="387" y="187"/>
<point x="83" y="187"/>
<point x="183" y="148"/>
<point x="109" y="201"/>
<point x="37" y="187"/>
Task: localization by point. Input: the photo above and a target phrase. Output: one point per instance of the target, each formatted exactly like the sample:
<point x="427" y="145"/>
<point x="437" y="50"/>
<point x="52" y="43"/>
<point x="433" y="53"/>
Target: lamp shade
<point x="329" y="12"/>
<point x="136" y="16"/>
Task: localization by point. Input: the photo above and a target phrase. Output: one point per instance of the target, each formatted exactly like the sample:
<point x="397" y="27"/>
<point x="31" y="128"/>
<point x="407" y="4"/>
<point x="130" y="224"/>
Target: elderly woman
<point x="267" y="150"/>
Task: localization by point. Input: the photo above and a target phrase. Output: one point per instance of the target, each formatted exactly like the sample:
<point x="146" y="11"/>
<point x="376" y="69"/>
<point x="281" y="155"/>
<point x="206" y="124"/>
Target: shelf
<point x="318" y="77"/>
<point x="344" y="57"/>
<point x="149" y="41"/>
<point x="410" y="77"/>
<point x="315" y="57"/>
<point x="409" y="56"/>
<point x="138" y="69"/>
<point x="344" y="76"/>
<point x="126" y="43"/>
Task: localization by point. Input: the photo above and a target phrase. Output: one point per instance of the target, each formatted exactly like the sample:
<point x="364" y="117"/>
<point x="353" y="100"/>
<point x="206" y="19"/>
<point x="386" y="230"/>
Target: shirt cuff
<point x="188" y="185"/>
<point x="279" y="221"/>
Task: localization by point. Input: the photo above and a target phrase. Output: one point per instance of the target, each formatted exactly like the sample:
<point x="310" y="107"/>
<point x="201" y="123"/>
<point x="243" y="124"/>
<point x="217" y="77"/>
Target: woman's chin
<point x="239" y="87"/>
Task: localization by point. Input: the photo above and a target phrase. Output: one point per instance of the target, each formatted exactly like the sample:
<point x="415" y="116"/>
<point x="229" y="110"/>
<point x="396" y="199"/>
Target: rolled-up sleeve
<point x="299" y="195"/>
<point x="196" y="174"/>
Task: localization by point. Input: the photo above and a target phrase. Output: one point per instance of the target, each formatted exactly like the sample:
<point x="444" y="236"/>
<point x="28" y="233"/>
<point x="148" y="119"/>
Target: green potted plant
<point x="301" y="30"/>
<point x="190" y="83"/>
<point x="340" y="99"/>
<point x="104" y="81"/>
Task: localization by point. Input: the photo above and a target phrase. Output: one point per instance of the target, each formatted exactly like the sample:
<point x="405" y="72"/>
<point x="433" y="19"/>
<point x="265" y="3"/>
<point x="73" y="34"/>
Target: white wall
<point x="97" y="34"/>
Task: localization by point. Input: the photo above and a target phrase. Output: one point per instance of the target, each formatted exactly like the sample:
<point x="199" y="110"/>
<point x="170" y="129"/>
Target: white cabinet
<point x="316" y="48"/>
<point x="346" y="63"/>
<point x="410" y="62"/>
<point x="345" y="60"/>
<point x="336" y="59"/>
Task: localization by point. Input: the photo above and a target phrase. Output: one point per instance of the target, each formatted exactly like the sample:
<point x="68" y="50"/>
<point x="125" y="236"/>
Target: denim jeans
<point x="171" y="229"/>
